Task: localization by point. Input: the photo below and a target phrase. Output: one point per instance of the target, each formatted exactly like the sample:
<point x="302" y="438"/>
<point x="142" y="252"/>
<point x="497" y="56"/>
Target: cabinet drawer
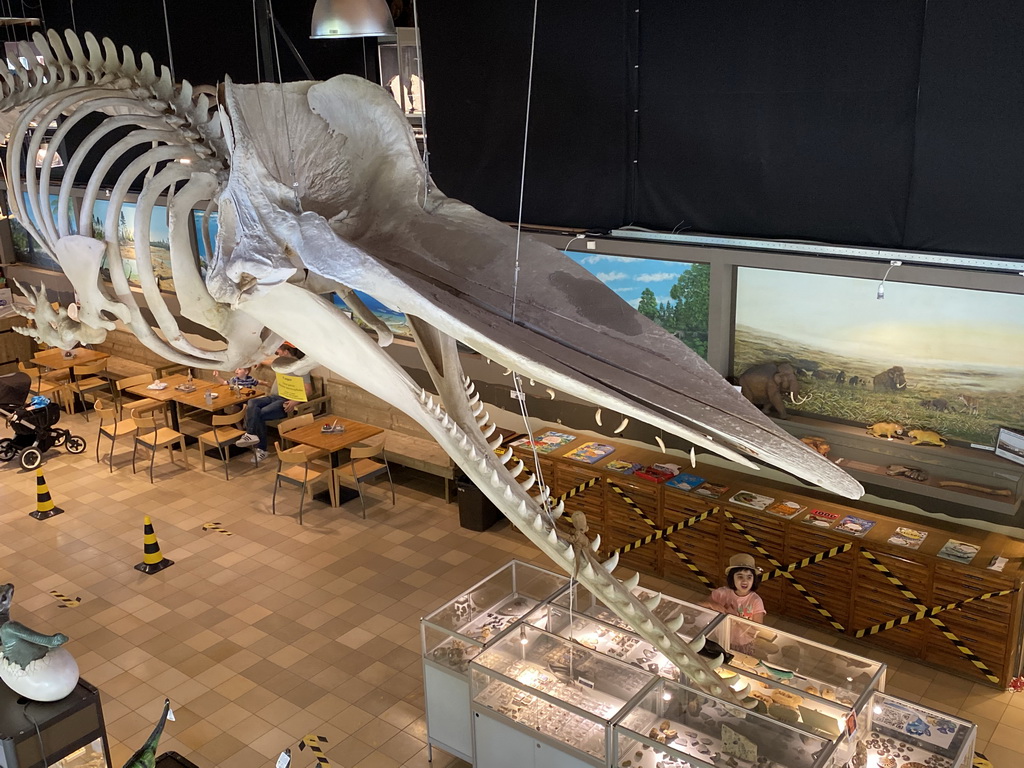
<point x="943" y="653"/>
<point x="797" y="607"/>
<point x="685" y="504"/>
<point x="996" y="608"/>
<point x="971" y="579"/>
<point x="907" y="639"/>
<point x="916" y="576"/>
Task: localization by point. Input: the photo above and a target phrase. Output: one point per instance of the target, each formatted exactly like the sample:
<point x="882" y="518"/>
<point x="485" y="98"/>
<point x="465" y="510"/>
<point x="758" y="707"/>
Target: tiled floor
<point x="278" y="630"/>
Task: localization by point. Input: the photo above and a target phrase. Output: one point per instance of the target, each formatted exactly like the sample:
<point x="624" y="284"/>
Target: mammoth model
<point x="768" y="384"/>
<point x="891" y="380"/>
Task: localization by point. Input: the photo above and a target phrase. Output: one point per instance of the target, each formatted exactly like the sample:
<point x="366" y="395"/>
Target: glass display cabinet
<point x="676" y="726"/>
<point x="543" y="700"/>
<point x="796" y="681"/>
<point x="895" y="732"/>
<point x="456" y="632"/>
<point x="401" y="76"/>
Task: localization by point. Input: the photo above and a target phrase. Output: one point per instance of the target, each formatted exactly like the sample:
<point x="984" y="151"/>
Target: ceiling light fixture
<point x="351" y="18"/>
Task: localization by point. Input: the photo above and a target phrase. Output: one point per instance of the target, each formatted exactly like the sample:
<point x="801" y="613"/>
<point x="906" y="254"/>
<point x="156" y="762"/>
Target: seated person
<point x="243" y="378"/>
<point x="260" y="410"/>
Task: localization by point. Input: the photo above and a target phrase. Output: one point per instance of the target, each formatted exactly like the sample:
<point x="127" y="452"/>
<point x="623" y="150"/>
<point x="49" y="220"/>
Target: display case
<point x="894" y="732"/>
<point x="69" y="733"/>
<point x="456" y="632"/>
<point x="534" y="689"/>
<point x="676" y="726"/>
<point x="796" y="681"/>
<point x="401" y="76"/>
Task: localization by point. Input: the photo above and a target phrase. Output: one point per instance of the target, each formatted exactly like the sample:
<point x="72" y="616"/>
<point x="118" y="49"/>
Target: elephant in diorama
<point x="768" y="384"/>
<point x="891" y="380"/>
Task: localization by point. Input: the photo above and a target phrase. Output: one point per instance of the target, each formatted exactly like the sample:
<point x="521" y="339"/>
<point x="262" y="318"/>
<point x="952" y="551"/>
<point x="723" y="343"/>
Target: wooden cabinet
<point x="856" y="592"/>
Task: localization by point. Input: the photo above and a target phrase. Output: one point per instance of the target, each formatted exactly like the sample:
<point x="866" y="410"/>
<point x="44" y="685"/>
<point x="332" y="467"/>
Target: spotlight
<point x="522" y="635"/>
<point x="880" y="294"/>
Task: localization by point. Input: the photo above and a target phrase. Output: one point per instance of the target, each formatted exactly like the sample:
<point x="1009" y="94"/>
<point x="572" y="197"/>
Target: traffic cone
<point x="45" y="508"/>
<point x="152" y="560"/>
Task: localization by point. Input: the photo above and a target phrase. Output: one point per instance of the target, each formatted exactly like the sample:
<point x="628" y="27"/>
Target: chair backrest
<point x="290" y="456"/>
<point x="88" y="369"/>
<point x="105" y="412"/>
<point x="134" y="381"/>
<point x="368" y="450"/>
<point x="294" y="422"/>
<point x="224" y="419"/>
<point x="142" y="421"/>
<point x="31" y="370"/>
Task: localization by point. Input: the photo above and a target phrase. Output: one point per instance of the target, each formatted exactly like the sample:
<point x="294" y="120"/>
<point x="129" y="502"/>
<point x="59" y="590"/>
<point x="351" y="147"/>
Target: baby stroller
<point x="34" y="430"/>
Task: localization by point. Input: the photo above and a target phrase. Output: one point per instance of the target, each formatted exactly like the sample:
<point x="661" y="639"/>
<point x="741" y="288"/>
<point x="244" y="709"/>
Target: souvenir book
<point x="855" y="526"/>
<point x="785" y="508"/>
<point x="911" y="538"/>
<point x="685" y="482"/>
<point x="958" y="551"/>
<point x="751" y="499"/>
<point x="652" y="474"/>
<point x="711" y="490"/>
<point x="623" y="467"/>
<point x="820" y="518"/>
<point x="547" y="442"/>
<point x="589" y="452"/>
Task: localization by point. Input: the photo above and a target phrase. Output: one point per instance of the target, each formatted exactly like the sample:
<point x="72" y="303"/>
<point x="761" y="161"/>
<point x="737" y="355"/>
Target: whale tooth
<point x="551" y="392"/>
<point x="653" y="602"/>
<point x="686" y="662"/>
<point x="544" y="495"/>
<point x="507" y="372"/>
<point x="474" y="400"/>
<point x="517" y="468"/>
<point x="716" y="689"/>
<point x="570" y="553"/>
<point x="553" y="537"/>
<point x="495" y="443"/>
<point x="611" y="563"/>
<point x="538" y="523"/>
<point x="676" y="623"/>
<point x="483" y="418"/>
<point x="741" y="690"/>
<point x="646" y="625"/>
<point x="508" y="493"/>
<point x="661" y="443"/>
<point x="557" y="510"/>
<point x="523" y="508"/>
<point x="473" y="453"/>
<point x="496" y="480"/>
<point x="631" y="583"/>
<point x="597" y="417"/>
<point x="716" y="662"/>
<point x="700" y="676"/>
<point x="489" y="430"/>
<point x="483" y="466"/>
<point x="596" y="543"/>
<point x="533" y="383"/>
<point x="506" y="457"/>
<point x="477" y="409"/>
<point x="622" y="425"/>
<point x="697" y="644"/>
<point x="423" y="396"/>
<point x="464" y="441"/>
<point x="693" y="458"/>
<point x="445" y="421"/>
<point x="527" y="484"/>
<point x="453" y="429"/>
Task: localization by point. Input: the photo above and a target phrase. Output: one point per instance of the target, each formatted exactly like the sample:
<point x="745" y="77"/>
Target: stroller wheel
<point x="60" y="436"/>
<point x="31" y="458"/>
<point x="75" y="444"/>
<point x="7" y="449"/>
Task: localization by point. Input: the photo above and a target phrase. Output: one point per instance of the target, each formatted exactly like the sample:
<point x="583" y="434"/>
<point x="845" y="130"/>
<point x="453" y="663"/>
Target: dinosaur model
<point x="320" y="190"/>
<point x="31" y="663"/>
<point x="145" y="757"/>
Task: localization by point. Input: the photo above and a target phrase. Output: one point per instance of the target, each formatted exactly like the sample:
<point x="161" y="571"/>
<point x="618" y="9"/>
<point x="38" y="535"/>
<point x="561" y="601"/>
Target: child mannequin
<point x="740" y="598"/>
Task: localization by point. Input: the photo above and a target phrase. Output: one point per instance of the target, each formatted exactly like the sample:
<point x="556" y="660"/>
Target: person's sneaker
<point x="247" y="439"/>
<point x="258" y="455"/>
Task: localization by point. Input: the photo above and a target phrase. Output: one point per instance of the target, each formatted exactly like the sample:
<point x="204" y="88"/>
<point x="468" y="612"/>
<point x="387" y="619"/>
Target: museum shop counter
<point x="923" y="591"/>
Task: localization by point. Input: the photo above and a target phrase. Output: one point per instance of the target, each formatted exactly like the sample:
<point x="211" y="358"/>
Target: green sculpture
<point x="146" y="756"/>
<point x="21" y="645"/>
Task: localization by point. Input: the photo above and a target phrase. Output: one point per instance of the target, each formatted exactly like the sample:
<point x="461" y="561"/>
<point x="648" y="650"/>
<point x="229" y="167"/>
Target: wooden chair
<point x="86" y="380"/>
<point x="154" y="437"/>
<point x="133" y="402"/>
<point x="53" y="390"/>
<point x="364" y="465"/>
<point x="287" y="425"/>
<point x="224" y="432"/>
<point x="296" y="468"/>
<point x="111" y="428"/>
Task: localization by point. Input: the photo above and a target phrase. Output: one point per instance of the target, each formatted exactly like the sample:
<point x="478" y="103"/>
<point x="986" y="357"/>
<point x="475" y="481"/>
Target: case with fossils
<point x="456" y="632"/>
<point x="695" y="617"/>
<point x="676" y="726"/>
<point x="542" y="685"/>
<point x="810" y="686"/>
<point x="895" y="733"/>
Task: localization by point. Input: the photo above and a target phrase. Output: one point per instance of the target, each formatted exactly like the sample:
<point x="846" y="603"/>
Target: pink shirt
<point x="748" y="607"/>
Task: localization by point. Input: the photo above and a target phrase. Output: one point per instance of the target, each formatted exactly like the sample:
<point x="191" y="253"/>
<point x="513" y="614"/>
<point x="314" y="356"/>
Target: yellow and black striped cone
<point x="45" y="508"/>
<point x="152" y="560"/>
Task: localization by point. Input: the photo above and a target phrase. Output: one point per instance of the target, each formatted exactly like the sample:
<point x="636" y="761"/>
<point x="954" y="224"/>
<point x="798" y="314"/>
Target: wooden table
<point x="170" y="393"/>
<point x="334" y="442"/>
<point x="54" y="358"/>
<point x="225" y="398"/>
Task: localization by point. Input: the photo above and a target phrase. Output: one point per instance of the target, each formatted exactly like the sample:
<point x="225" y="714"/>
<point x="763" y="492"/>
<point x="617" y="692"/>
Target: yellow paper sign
<point x="291" y="387"/>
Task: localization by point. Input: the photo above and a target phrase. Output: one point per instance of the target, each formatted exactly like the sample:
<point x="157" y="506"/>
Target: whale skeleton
<point x="319" y="189"/>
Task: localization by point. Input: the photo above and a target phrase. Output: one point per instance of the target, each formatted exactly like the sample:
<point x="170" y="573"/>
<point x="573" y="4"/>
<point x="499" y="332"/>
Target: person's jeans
<point x="261" y="410"/>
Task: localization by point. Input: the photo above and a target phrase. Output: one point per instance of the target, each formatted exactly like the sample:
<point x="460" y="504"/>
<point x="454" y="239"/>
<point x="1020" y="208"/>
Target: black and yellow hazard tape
<point x="663" y="532"/>
<point x="313" y="742"/>
<point x="216" y="527"/>
<point x="66" y="602"/>
<point x="785" y="573"/>
<point x="577" y="490"/>
<point x="928" y="612"/>
<point x="970" y="655"/>
<point x="813" y="559"/>
<point x="668" y="542"/>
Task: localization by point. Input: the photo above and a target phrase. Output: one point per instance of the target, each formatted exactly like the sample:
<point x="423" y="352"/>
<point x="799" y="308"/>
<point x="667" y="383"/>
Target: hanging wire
<point x="256" y="38"/>
<point x="74" y="25"/>
<point x="423" y="99"/>
<point x="167" y="30"/>
<point x="284" y="107"/>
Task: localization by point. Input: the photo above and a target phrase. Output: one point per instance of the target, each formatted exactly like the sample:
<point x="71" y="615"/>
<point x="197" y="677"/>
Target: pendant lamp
<point x="351" y="18"/>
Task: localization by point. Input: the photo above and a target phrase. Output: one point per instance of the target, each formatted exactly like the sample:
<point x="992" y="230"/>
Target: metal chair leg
<point x="222" y="450"/>
<point x="135" y="448"/>
<point x="152" y="460"/>
<point x="110" y="456"/>
<point x="302" y="500"/>
<point x="273" y="500"/>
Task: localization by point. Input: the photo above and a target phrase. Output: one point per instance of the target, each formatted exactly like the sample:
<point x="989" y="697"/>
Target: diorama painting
<point x="159" y="242"/>
<point x="26" y="248"/>
<point x="673" y="294"/>
<point x="949" y="360"/>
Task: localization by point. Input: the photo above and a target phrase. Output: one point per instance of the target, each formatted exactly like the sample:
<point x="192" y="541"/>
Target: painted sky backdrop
<point x="921" y="324"/>
<point x="628" y="275"/>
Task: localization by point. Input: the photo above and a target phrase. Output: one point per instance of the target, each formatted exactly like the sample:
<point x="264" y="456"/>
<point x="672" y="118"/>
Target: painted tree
<point x="690" y="317"/>
<point x="648" y="306"/>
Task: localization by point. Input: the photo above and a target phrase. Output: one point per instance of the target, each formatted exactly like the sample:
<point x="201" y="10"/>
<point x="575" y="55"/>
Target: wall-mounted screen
<point x="674" y="294"/>
<point x="950" y="360"/>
